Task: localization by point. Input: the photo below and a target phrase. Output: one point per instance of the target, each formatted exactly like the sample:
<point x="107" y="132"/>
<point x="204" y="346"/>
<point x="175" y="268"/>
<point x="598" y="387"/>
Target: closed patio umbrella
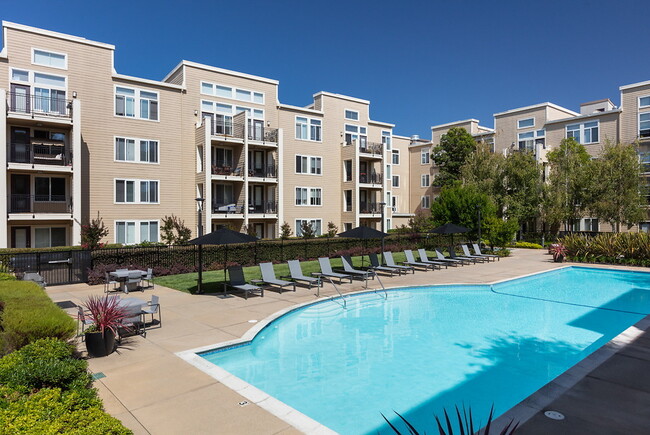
<point x="365" y="233"/>
<point x="223" y="236"/>
<point x="451" y="229"/>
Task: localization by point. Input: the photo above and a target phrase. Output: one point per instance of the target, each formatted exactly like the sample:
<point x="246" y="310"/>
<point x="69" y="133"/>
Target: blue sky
<point x="420" y="63"/>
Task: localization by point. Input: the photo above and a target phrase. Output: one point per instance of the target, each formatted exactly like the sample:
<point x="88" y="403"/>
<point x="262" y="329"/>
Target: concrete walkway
<point x="151" y="390"/>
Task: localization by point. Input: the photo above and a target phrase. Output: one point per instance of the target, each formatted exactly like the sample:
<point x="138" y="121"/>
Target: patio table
<point x="122" y="277"/>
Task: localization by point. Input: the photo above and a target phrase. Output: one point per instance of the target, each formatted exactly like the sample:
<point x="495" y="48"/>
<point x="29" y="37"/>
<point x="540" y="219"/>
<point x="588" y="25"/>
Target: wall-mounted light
<point x="74" y="94"/>
<point x="196" y="113"/>
<point x="268" y="123"/>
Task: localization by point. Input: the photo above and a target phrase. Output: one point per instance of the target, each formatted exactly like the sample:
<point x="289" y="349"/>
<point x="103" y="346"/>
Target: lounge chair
<point x="350" y="270"/>
<point x="236" y="280"/>
<point x="410" y="261"/>
<point x="468" y="254"/>
<point x="390" y="262"/>
<point x="477" y="251"/>
<point x="450" y="261"/>
<point x="296" y="274"/>
<point x="377" y="267"/>
<point x="268" y="277"/>
<point x="452" y="254"/>
<point x="425" y="259"/>
<point x="326" y="270"/>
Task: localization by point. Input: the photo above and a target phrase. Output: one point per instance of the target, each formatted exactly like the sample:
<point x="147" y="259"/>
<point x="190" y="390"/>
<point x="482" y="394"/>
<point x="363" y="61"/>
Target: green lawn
<point x="213" y="280"/>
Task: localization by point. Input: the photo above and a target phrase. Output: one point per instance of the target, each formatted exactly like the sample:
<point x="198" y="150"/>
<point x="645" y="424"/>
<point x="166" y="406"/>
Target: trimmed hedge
<point x="29" y="314"/>
<point x="528" y="245"/>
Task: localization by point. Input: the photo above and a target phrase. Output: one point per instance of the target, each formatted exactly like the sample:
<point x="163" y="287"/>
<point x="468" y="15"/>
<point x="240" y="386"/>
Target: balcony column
<point x="207" y="172"/>
<point x="280" y="177"/>
<point x="4" y="230"/>
<point x="76" y="172"/>
<point x="245" y="170"/>
<point x="356" y="178"/>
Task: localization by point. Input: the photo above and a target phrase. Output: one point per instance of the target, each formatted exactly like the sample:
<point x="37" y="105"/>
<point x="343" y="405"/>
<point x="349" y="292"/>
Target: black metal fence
<point x="56" y="267"/>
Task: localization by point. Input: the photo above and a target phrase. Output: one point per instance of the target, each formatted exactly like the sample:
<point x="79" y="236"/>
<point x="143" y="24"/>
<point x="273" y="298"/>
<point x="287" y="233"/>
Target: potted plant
<point x="106" y="315"/>
<point x="558" y="251"/>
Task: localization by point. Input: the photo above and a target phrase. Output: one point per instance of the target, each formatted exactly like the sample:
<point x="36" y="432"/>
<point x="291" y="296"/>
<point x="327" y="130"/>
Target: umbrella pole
<point x="200" y="281"/>
<point x="225" y="268"/>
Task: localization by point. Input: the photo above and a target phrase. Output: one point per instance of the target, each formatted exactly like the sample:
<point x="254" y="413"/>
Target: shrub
<point x="29" y="314"/>
<point x="614" y="248"/>
<point x="7" y="277"/>
<point x="93" y="233"/>
<point x="173" y="230"/>
<point x="285" y="231"/>
<point x="528" y="245"/>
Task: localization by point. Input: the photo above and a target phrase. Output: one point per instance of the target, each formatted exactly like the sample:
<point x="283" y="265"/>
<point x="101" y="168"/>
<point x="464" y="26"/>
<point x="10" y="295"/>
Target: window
<point x="352" y="114"/>
<point x="136" y="191"/>
<point x="585" y="133"/>
<point x="127" y="100"/>
<point x="644" y="102"/>
<point x="347" y="169"/>
<point x="308" y="128"/>
<point x="48" y="92"/>
<point x="49" y="189"/>
<point x="19" y="75"/>
<point x="243" y="95"/>
<point x="213" y="89"/>
<point x="644" y="159"/>
<point x="315" y="225"/>
<point x="395" y="157"/>
<point x="388" y="172"/>
<point x="386" y="139"/>
<point x="394" y="203"/>
<point x="424" y="180"/>
<point x="131" y="232"/>
<point x="308" y="165"/>
<point x="356" y="133"/>
<point x="309" y="195"/>
<point x="48" y="58"/>
<point x="526" y="123"/>
<point x="395" y="180"/>
<point x="125" y="150"/>
<point x="49" y="237"/>
<point x="424" y="156"/>
<point x="644" y="124"/>
<point x="425" y="201"/>
<point x="347" y="195"/>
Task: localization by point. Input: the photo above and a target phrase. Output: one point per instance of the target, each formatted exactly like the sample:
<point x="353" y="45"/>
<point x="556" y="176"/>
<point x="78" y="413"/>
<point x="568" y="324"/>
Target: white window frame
<point x="581" y="131"/>
<point x="387" y="138"/>
<point x="65" y="58"/>
<point x="395" y="178"/>
<point x="309" y="195"/>
<point x="519" y="121"/>
<point x="345" y="114"/>
<point x="316" y="194"/>
<point x="639" y="124"/>
<point x="308" y="165"/>
<point x="233" y="92"/>
<point x="298" y="223"/>
<point x="425" y="157"/>
<point x="392" y="159"/>
<point x="345" y="204"/>
<point x="136" y="103"/>
<point x="425" y="177"/>
<point x="49" y="228"/>
<point x="137" y="144"/>
<point x="137" y="235"/>
<point x="644" y="106"/>
<point x="136" y="191"/>
<point x="423" y="199"/>
<point x="394" y="201"/>
<point x="309" y="126"/>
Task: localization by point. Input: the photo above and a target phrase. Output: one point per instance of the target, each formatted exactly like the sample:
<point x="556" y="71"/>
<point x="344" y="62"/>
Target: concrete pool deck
<point x="147" y="386"/>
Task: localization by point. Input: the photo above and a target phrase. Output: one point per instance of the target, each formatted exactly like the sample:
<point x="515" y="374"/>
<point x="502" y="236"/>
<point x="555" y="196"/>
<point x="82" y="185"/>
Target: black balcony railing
<point x="266" y="207"/>
<point x="39" y="105"/>
<point x="43" y="154"/>
<point x="368" y="207"/>
<point x="261" y="133"/>
<point x="269" y="171"/>
<point x="373" y="178"/>
<point x="221" y="167"/>
<point x="371" y="148"/>
<point x="227" y="128"/>
<point x="230" y="208"/>
<point x="39" y="204"/>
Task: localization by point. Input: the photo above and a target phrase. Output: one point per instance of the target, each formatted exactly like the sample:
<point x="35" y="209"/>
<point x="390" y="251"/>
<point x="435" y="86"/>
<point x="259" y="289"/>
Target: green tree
<point x="616" y="186"/>
<point x="521" y="188"/>
<point x="500" y="232"/>
<point x="285" y="231"/>
<point x="460" y="205"/>
<point x="566" y="195"/>
<point x="484" y="170"/>
<point x="307" y="230"/>
<point x="174" y="231"/>
<point x="332" y="229"/>
<point x="450" y="155"/>
<point x="93" y="233"/>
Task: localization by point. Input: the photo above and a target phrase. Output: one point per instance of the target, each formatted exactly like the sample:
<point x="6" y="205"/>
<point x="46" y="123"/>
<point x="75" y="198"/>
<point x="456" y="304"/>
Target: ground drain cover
<point x="66" y="304"/>
<point x="243" y="403"/>
<point x="554" y="415"/>
<point x="98" y="375"/>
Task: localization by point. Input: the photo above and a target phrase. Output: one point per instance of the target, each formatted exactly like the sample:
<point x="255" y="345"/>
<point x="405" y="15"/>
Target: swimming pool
<point x="426" y="348"/>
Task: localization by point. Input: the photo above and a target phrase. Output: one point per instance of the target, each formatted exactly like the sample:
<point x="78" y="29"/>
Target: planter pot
<point x="99" y="345"/>
<point x="559" y="259"/>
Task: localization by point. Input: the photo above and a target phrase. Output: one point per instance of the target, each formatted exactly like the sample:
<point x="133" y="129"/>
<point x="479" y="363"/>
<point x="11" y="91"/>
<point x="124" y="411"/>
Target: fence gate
<point x="56" y="268"/>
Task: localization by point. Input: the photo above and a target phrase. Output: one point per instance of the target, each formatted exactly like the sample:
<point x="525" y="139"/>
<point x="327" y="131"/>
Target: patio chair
<point x="410" y="261"/>
<point x="82" y="321"/>
<point x="296" y="274"/>
<point x="452" y="254"/>
<point x="477" y="251"/>
<point x="149" y="278"/>
<point x="133" y="281"/>
<point x="268" y="277"/>
<point x="424" y="258"/>
<point x="350" y="270"/>
<point x="107" y="283"/>
<point x="377" y="267"/>
<point x="236" y="280"/>
<point x="467" y="254"/>
<point x="450" y="261"/>
<point x="326" y="271"/>
<point x="390" y="262"/>
<point x="153" y="307"/>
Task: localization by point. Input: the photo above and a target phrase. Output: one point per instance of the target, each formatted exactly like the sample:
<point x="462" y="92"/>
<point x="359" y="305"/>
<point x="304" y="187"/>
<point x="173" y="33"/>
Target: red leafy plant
<point x="559" y="251"/>
<point x="105" y="312"/>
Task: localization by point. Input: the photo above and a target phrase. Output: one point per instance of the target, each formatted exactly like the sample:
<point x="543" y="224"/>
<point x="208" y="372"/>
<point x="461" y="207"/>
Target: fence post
<point x="255" y="252"/>
<point x="282" y="250"/>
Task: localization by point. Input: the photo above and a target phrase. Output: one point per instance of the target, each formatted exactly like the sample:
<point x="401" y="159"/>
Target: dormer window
<point x="49" y="58"/>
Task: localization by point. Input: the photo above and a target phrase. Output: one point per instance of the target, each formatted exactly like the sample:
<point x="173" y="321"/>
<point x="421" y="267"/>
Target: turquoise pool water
<point x="423" y="349"/>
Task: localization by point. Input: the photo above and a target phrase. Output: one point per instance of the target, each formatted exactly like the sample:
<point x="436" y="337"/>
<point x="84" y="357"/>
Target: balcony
<point x="227" y="209"/>
<point x="40" y="154"/>
<point x="227" y="129"/>
<point x="262" y="134"/>
<point x="39" y="204"/>
<point x="372" y="148"/>
<point x="268" y="207"/>
<point x="373" y="178"/>
<point x="226" y="169"/>
<point x="369" y="208"/>
<point x="36" y="105"/>
<point x="268" y="171"/>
